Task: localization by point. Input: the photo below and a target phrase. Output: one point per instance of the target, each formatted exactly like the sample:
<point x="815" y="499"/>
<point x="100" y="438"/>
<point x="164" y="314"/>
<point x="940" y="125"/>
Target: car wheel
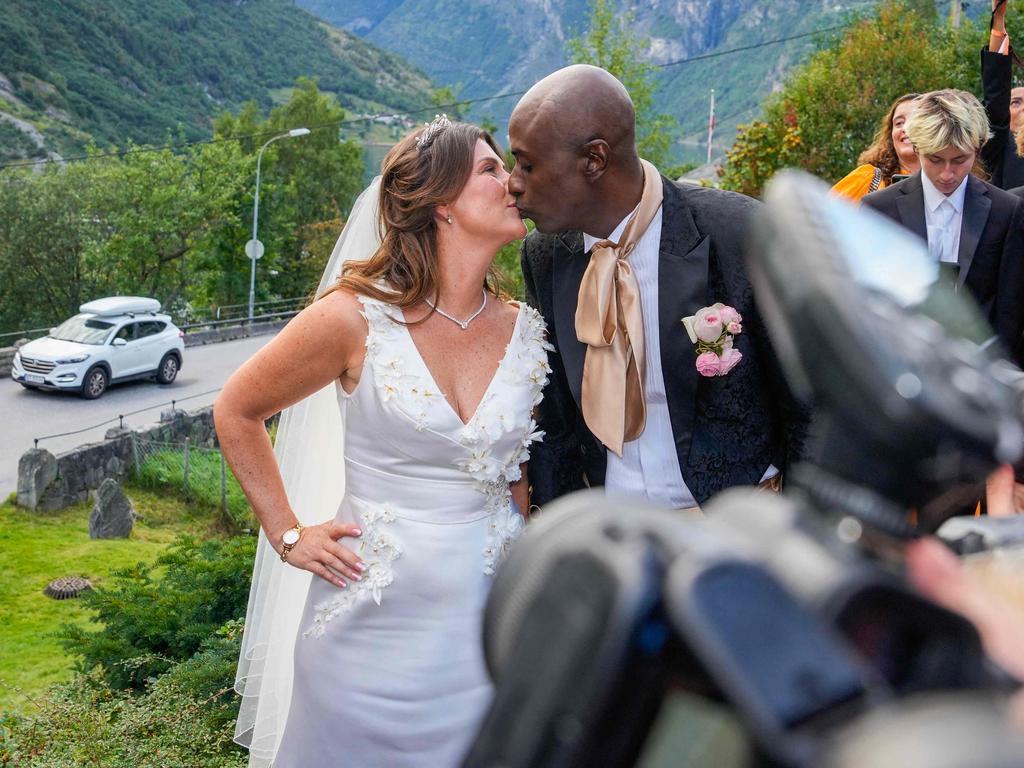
<point x="168" y="370"/>
<point x="95" y="384"/>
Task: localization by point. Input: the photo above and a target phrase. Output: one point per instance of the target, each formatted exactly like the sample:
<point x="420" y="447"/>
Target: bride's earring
<point x="449" y="218"/>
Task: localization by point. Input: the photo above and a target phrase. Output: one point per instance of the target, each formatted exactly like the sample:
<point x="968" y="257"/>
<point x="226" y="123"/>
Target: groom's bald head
<point x="578" y="104"/>
<point x="573" y="135"/>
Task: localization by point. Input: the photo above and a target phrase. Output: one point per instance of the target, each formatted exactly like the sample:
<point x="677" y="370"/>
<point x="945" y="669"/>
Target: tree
<point x="829" y="109"/>
<point x="123" y="224"/>
<point x="446" y="100"/>
<point x="307" y="187"/>
<point x="45" y="235"/>
<point x="157" y="210"/>
<point x="610" y="43"/>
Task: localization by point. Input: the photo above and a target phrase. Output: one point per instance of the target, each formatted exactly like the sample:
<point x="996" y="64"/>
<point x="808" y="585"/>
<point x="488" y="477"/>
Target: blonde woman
<point x="971" y="226"/>
<point x="437" y="377"/>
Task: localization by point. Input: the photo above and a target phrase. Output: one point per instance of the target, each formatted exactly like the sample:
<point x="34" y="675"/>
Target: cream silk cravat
<point x="609" y="320"/>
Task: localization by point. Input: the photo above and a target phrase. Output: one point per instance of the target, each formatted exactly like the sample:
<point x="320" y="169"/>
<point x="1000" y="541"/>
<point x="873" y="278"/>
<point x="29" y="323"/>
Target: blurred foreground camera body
<point x="605" y="609"/>
<point x="602" y="610"/>
<point x="914" y="403"/>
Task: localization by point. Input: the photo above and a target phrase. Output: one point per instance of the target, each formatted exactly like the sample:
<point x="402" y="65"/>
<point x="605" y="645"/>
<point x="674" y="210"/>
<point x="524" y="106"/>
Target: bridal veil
<point x="310" y="453"/>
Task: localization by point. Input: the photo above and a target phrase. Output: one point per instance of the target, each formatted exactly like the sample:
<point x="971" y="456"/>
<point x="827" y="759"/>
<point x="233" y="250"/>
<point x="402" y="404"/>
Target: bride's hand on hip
<point x="319" y="552"/>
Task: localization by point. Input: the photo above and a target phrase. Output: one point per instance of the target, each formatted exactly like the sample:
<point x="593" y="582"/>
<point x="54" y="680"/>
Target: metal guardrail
<point x="218" y="319"/>
<point x="32" y="333"/>
<point x="244" y="308"/>
<point x="270" y="316"/>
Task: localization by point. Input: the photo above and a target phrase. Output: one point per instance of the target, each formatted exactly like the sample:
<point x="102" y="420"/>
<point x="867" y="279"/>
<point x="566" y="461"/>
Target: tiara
<point x="431" y="129"/>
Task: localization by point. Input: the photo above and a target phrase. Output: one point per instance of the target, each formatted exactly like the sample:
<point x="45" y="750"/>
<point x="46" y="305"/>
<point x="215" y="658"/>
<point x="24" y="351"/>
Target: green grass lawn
<point x="36" y="548"/>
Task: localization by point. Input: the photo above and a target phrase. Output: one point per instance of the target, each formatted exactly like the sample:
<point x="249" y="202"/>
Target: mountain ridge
<point x="110" y="71"/>
<point x="467" y="43"/>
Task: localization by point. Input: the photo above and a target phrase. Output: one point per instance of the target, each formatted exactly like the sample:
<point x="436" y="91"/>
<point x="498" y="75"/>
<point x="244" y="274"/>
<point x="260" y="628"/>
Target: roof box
<point x="120" y="305"/>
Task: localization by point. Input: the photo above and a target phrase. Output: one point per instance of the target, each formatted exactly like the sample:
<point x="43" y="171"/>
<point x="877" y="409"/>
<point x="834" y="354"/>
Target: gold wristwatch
<point x="289" y="539"/>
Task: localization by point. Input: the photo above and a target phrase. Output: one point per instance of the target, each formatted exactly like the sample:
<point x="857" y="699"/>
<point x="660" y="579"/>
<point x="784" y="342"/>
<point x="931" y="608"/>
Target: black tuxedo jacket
<point x="727" y="429"/>
<point x="991" y="253"/>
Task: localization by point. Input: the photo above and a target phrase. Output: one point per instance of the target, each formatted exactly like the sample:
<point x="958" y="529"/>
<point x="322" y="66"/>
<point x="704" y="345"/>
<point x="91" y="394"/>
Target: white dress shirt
<point x="943" y="216"/>
<point x="649" y="467"/>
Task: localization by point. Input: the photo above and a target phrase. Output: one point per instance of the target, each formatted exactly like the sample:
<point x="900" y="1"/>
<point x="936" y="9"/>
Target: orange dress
<point x="857" y="182"/>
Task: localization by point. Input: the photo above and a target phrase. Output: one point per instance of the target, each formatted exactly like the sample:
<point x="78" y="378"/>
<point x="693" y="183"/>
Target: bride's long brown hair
<point x="415" y="179"/>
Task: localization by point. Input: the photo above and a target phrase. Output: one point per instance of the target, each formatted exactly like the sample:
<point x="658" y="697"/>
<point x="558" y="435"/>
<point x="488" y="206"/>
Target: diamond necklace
<point x="463" y="324"/>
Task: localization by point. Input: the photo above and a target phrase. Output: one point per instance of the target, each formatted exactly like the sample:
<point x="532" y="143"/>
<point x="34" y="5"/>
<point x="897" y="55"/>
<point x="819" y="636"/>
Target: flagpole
<point x="711" y="124"/>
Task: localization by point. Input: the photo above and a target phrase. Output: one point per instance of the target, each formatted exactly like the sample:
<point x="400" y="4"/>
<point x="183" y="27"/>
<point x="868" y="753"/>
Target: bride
<point x="409" y="387"/>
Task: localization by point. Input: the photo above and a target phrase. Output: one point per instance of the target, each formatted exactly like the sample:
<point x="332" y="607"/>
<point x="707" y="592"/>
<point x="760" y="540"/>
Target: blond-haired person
<point x="971" y="226"/>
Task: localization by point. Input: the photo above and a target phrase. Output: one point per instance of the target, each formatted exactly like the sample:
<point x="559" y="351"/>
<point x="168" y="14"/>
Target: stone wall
<point x="47" y="483"/>
<point x="7" y="356"/>
<point x="229" y="333"/>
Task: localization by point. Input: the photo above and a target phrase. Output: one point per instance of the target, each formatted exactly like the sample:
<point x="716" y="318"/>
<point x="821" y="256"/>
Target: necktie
<point x="609" y="320"/>
<point x="940" y="242"/>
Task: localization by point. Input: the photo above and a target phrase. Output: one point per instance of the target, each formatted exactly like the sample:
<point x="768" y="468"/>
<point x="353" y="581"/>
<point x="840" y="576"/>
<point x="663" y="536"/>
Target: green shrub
<point x="184" y="718"/>
<point x="149" y="623"/>
<point x="829" y="108"/>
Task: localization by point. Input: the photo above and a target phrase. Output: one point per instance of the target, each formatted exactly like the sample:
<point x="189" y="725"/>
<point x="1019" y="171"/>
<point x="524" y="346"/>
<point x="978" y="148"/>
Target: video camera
<point x="614" y="628"/>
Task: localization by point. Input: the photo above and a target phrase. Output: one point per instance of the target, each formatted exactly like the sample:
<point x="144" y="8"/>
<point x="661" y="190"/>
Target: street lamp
<point x="254" y="248"/>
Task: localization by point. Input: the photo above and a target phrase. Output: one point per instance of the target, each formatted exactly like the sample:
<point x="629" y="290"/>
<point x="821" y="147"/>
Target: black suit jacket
<point x="999" y="154"/>
<point x="991" y="254"/>
<point x="727" y="429"/>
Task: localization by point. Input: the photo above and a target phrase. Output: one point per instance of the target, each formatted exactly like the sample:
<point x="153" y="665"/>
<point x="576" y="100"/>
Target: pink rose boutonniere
<point x="712" y="330"/>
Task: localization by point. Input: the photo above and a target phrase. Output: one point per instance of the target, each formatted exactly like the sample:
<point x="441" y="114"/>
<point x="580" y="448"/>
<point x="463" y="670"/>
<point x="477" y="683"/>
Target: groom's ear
<point x="595" y="155"/>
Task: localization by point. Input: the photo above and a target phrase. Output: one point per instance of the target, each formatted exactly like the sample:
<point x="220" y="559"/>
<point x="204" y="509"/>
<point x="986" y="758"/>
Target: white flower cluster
<point x="522" y="373"/>
<point x="378" y="549"/>
<point x="412" y="392"/>
<point x="525" y="365"/>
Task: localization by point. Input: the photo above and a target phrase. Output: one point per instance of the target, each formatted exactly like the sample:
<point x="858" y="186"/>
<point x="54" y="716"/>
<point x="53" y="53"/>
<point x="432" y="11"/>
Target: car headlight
<point x="75" y="359"/>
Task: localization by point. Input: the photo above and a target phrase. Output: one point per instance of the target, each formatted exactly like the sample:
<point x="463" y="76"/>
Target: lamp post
<point x="254" y="248"/>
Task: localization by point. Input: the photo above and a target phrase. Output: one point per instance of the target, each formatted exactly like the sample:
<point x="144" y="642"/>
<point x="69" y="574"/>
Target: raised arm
<point x="323" y="343"/>
<point x="996" y="74"/>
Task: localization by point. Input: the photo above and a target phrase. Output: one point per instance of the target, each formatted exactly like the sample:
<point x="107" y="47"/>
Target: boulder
<point x="113" y="515"/>
<point x="37" y="469"/>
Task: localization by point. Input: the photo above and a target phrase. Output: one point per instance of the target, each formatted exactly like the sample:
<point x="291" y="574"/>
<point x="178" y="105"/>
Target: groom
<point x="620" y="256"/>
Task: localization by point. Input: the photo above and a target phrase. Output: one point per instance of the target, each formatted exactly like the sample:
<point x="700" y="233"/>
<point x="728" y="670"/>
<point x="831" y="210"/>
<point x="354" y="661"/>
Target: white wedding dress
<point x="389" y="671"/>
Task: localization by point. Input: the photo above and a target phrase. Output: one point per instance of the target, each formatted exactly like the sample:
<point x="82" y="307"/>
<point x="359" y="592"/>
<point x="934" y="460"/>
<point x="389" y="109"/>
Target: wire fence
<point x="121" y="416"/>
<point x="200" y="474"/>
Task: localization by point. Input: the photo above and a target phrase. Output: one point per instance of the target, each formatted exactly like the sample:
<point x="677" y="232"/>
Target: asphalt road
<point x="27" y="414"/>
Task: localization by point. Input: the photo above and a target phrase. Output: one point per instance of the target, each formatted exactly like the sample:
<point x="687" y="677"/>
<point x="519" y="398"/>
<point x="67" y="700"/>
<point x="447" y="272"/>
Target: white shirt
<point x="649" y="467"/>
<point x="943" y="216"/>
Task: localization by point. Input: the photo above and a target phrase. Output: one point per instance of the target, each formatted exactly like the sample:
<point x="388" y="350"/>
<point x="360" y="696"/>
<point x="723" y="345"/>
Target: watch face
<point x="291" y="536"/>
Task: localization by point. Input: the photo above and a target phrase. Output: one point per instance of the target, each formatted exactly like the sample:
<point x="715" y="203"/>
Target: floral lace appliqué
<point x="378" y="549"/>
<point x="390" y="370"/>
<point x="525" y="367"/>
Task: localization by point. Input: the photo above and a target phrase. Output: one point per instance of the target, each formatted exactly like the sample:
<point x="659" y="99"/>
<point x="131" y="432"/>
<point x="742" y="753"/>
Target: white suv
<point x="111" y="340"/>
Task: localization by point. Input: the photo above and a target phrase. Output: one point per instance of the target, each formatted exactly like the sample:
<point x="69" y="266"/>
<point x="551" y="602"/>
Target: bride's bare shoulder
<point x="339" y="310"/>
<point x="334" y="321"/>
<point x="510" y="309"/>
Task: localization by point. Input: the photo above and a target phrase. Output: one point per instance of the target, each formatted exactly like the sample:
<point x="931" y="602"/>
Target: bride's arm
<point x="322" y="343"/>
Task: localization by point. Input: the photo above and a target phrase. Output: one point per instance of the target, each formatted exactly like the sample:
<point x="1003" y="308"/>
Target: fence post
<point x="223" y="485"/>
<point x="136" y="466"/>
<point x="184" y="472"/>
